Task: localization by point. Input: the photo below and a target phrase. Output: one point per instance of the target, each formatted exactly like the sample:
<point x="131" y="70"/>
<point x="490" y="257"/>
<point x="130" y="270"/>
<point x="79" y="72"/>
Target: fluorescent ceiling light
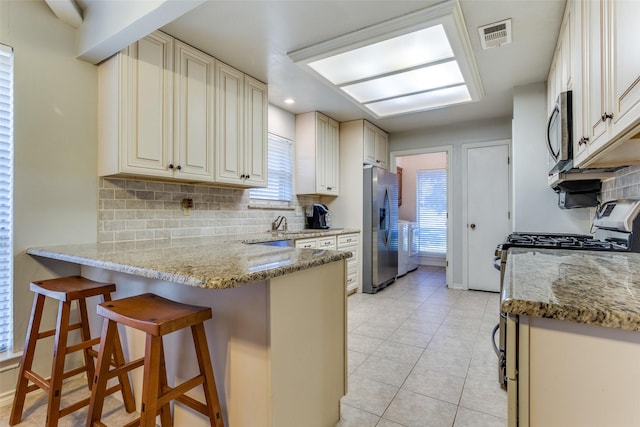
<point x="418" y="80"/>
<point x="398" y="53"/>
<point x="421" y="101"/>
<point x="412" y="63"/>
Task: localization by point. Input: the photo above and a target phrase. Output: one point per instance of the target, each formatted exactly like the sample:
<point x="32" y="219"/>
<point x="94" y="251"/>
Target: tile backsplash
<point x="626" y="183"/>
<point x="132" y="210"/>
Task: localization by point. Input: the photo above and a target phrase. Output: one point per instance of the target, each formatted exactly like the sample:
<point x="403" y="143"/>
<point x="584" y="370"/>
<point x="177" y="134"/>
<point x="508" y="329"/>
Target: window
<point x="279" y="170"/>
<point x="6" y="194"/>
<point x="431" y="188"/>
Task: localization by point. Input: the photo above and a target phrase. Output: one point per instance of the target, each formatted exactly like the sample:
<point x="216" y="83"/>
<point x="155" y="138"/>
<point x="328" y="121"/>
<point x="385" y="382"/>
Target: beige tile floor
<point x="74" y="389"/>
<point x="420" y="355"/>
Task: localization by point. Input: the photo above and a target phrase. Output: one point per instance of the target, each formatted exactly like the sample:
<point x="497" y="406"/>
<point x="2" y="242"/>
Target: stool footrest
<point x="83" y="345"/>
<point x="38" y="381"/>
<point x="171" y="393"/>
<point x="72" y="408"/>
<point x="125" y="368"/>
<point x="193" y="404"/>
<point x="52" y="332"/>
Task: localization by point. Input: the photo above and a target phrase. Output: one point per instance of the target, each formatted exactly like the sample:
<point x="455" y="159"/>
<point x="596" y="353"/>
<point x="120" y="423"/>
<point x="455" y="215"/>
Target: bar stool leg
<point x="209" y="386"/>
<point x="85" y="334"/>
<point x="165" y="410"/>
<point x="98" y="391"/>
<point x="27" y="359"/>
<point x="57" y="367"/>
<point x="118" y="357"/>
<point x="151" y="382"/>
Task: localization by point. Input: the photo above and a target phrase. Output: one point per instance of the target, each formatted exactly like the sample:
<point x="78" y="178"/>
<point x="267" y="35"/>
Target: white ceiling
<point x="255" y="37"/>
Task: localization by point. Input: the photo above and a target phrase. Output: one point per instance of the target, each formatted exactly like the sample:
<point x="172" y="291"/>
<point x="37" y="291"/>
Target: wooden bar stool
<point x="65" y="290"/>
<point x="156" y="316"/>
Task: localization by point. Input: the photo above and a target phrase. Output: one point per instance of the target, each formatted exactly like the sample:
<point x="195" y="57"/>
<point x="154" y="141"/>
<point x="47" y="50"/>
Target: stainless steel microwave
<point x="560" y="135"/>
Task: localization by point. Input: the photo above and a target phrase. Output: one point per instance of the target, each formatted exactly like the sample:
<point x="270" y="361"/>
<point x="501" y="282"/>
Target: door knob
<point x="473" y="226"/>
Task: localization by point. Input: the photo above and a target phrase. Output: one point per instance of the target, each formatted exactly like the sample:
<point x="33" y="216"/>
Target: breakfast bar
<point x="278" y="334"/>
<point x="573" y="337"/>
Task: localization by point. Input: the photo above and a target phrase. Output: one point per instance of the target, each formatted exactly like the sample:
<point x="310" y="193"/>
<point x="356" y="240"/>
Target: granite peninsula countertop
<point x="216" y="262"/>
<point x="591" y="287"/>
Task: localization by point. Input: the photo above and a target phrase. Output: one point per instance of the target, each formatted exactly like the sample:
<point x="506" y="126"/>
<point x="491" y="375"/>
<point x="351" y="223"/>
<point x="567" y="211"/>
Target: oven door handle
<point x="493" y="340"/>
<point x="496" y="263"/>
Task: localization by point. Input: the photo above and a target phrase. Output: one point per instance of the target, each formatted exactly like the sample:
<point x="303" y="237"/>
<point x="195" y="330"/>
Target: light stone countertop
<point x="592" y="287"/>
<point x="216" y="262"/>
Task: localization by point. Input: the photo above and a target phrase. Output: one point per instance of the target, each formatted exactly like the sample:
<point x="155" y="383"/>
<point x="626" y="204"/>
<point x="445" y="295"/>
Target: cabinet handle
<point x="248" y="176"/>
<point x="584" y="140"/>
<point x="171" y="166"/>
<point x="377" y="161"/>
<point x="179" y="167"/>
<point x="606" y="116"/>
<point x="329" y="188"/>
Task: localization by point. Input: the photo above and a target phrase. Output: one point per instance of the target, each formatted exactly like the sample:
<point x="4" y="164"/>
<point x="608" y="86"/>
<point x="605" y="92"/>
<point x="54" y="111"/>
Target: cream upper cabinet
<point x="168" y="110"/>
<point x="135" y="126"/>
<point x="610" y="84"/>
<point x="241" y="146"/>
<point x="194" y="123"/>
<point x="317" y="154"/>
<point x="375" y="146"/>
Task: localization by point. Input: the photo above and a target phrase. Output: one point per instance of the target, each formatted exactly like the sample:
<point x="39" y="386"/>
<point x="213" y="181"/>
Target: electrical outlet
<point x="187" y="203"/>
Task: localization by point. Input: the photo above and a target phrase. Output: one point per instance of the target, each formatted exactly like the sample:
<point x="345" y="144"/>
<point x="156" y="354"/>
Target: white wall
<point x="535" y="204"/>
<point x="406" y="142"/>
<point x="55" y="151"/>
<point x="282" y="123"/>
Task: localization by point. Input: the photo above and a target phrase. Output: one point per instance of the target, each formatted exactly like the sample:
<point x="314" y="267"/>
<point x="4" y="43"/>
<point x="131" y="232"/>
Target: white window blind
<point x="280" y="171"/>
<point x="431" y="206"/>
<point x="6" y="194"/>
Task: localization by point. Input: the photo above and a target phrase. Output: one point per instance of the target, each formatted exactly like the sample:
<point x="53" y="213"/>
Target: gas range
<point x="617" y="228"/>
<point x="616" y="224"/>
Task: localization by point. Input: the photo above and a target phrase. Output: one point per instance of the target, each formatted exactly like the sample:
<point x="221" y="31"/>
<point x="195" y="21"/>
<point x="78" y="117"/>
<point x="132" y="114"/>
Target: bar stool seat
<point x="156" y="316"/>
<point x="65" y="290"/>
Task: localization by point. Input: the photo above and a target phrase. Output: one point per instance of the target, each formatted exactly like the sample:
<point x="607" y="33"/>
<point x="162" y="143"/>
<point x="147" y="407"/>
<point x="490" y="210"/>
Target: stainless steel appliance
<point x="379" y="229"/>
<point x="559" y="135"/>
<point x="617" y="228"/>
<point x="317" y="216"/>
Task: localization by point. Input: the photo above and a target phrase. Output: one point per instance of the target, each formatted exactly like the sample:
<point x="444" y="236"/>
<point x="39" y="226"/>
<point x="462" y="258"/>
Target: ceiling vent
<point x="496" y="34"/>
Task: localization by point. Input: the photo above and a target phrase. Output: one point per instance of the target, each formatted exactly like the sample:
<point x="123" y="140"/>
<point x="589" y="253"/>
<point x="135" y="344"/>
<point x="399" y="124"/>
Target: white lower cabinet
<point x="351" y="242"/>
<point x="572" y="374"/>
<point x="342" y="242"/>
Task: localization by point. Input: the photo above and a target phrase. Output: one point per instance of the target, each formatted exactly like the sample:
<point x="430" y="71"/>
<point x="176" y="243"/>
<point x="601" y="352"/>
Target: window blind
<point x="280" y="171"/>
<point x="6" y="194"/>
<point x="431" y="206"/>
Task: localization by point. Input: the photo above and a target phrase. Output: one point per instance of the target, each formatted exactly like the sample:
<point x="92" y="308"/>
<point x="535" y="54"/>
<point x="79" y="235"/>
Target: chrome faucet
<point x="275" y="225"/>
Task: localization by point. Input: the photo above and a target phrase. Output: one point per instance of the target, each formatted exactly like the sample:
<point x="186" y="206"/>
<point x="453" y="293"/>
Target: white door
<point x="487" y="215"/>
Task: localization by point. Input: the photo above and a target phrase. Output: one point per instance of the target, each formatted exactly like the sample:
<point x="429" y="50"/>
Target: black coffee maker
<point x="317" y="216"/>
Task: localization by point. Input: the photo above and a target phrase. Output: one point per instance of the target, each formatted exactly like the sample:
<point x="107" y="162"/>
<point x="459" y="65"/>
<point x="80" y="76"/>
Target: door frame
<point x="449" y="262"/>
<point x="465" y="207"/>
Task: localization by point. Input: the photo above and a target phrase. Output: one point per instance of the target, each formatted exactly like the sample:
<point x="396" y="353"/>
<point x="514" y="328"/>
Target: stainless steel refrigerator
<point x="380" y="229"/>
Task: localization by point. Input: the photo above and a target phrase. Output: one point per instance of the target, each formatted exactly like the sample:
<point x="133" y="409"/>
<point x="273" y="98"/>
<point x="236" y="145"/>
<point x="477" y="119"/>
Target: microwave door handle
<point x="555" y="156"/>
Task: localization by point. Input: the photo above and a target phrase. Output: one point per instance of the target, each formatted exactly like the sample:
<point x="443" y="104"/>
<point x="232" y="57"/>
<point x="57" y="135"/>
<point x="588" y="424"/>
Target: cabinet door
<point x="625" y="62"/>
<point x="332" y="160"/>
<point x="322" y="153"/>
<point x="594" y="76"/>
<point x="382" y="141"/>
<point x="255" y="153"/>
<point x="147" y="107"/>
<point x="229" y="134"/>
<point x="195" y="103"/>
<point x="369" y="144"/>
